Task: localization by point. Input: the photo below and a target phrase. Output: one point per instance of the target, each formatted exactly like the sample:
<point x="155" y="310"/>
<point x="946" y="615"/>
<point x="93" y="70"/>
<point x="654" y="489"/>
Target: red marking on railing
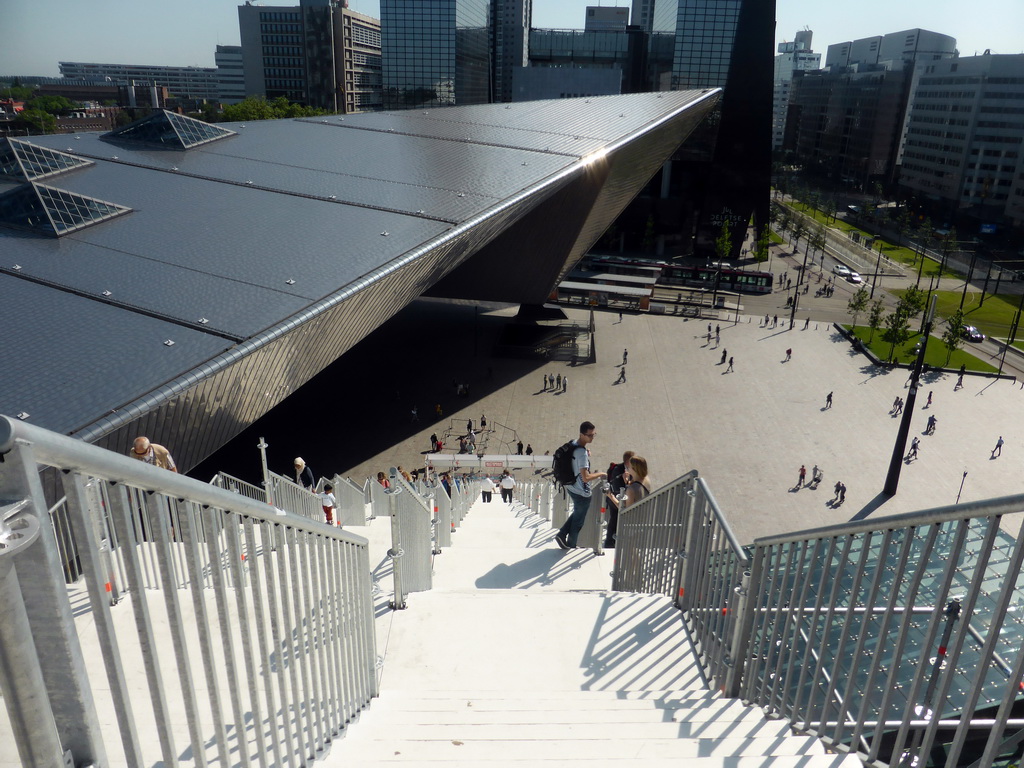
<point x="942" y="650"/>
<point x="725" y="611"/>
<point x="108" y="587"/>
<point x="681" y="591"/>
<point x="243" y="557"/>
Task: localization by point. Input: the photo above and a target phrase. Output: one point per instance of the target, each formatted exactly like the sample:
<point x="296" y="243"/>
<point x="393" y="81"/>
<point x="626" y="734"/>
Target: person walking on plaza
<point x="622" y="376"/>
<point x="729" y="369"/>
<point x="625" y="356"/>
<point x="828" y="401"/>
<point x="579" y="490"/>
<point x="433" y="442"/>
<point x="803" y="476"/>
<point x="929" y="403"/>
<point x="914" y="445"/>
<point x="725" y="353"/>
<point x="998" y="450"/>
<point x="839" y="488"/>
<point x="151" y="453"/>
<point x="842" y="492"/>
<point x="328" y="502"/>
<point x="558" y="381"/>
<point x="775" y="320"/>
<point x="565" y="383"/>
<point x="519" y="448"/>
<point x="529" y="450"/>
<point x="483" y="422"/>
<point x="789" y="355"/>
<point x="959" y="382"/>
<point x="544" y="381"/>
<point x="507" y="484"/>
<point x="414" y="415"/>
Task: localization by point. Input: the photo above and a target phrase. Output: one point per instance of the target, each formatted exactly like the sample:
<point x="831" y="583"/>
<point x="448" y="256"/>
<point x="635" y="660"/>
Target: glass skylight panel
<point x="53" y="211"/>
<point x="69" y="211"/>
<point x="25" y="161"/>
<point x="170" y="130"/>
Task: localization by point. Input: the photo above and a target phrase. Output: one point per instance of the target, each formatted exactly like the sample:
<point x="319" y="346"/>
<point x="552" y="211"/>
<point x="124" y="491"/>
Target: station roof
<point x="136" y="257"/>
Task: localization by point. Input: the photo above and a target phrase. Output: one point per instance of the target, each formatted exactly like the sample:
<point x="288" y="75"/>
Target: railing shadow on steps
<point x="898" y="639"/>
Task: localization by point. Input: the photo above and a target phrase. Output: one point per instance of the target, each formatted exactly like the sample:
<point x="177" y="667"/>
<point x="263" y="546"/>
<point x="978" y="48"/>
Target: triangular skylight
<point x="52" y="211"/>
<point x="23" y="161"/>
<point x="170" y="131"/>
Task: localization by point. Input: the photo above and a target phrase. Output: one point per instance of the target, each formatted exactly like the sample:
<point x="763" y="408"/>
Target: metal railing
<point x="898" y="639"/>
<point x="205" y="625"/>
<point x="351" y="501"/>
<point x="233" y="484"/>
<point x="289" y="495"/>
<point x="676" y="542"/>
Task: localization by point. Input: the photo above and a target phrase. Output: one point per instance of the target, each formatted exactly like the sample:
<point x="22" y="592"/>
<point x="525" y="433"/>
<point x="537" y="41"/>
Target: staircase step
<point x="615" y="745"/>
<point x="782" y="761"/>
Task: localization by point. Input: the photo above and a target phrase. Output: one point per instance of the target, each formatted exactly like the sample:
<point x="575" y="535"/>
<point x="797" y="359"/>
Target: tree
<point x="857" y="304"/>
<point x="952" y="337"/>
<point x="55" y="105"/>
<point x="761" y="246"/>
<point x="258" y="108"/>
<point x="875" y="317"/>
<point x="797" y="232"/>
<point x="16" y="92"/>
<point x="897" y="329"/>
<point x="902" y="224"/>
<point x="36" y="120"/>
<point x="723" y="243"/>
<point x="913" y="300"/>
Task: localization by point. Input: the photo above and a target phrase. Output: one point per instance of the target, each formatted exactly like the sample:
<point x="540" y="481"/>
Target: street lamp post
<point x="892" y="479"/>
<point x="796" y="293"/>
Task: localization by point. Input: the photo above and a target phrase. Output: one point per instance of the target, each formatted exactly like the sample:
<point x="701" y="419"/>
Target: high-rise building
<point x="361" y="81"/>
<point x="511" y="20"/>
<point x="849" y="115"/>
<point x="792" y="57"/>
<point x="228" y="59"/>
<point x="436" y="52"/>
<point x="318" y="53"/>
<point x="963" y="138"/>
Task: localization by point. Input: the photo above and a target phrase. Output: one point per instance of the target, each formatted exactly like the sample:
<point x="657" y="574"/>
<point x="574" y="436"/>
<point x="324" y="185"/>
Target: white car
<point x="841" y="269"/>
<point x="854" y="277"/>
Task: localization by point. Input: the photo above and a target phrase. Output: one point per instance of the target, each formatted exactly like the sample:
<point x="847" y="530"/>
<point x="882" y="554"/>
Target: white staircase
<point x="521" y="656"/>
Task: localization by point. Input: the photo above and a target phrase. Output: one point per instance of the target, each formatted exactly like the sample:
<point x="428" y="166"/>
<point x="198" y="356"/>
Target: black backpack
<point x="561" y="463"/>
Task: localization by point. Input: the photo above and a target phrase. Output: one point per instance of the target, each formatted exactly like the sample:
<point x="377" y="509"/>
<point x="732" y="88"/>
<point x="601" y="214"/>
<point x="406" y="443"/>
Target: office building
<point x="511" y="20"/>
<point x="606" y="19"/>
<point x="361" y="80"/>
<point x="435" y="53"/>
<point x="228" y="59"/>
<point x="792" y="57"/>
<point x="197" y="83"/>
<point x="962" y="139"/>
<point x="849" y="116"/>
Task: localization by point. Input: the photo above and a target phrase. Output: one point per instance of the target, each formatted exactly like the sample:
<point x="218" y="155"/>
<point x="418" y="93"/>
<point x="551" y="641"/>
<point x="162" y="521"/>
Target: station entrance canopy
<point x="179" y="280"/>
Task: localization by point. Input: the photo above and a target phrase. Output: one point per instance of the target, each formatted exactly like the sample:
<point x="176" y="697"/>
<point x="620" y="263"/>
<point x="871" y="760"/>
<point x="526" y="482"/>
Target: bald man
<point x="151" y="453"/>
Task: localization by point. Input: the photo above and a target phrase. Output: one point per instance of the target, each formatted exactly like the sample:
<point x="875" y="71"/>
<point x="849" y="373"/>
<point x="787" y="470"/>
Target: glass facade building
<point x="435" y="52"/>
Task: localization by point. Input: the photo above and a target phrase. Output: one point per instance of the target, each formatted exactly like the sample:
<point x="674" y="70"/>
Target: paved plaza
<point x="746" y="431"/>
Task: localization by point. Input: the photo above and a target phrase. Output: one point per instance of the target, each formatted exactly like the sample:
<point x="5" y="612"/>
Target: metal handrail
<point x="267" y="617"/>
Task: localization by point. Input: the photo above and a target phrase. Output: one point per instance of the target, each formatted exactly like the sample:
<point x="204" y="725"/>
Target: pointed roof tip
<point x="53" y="212"/>
<point x="169" y="130"/>
<point x="21" y="160"/>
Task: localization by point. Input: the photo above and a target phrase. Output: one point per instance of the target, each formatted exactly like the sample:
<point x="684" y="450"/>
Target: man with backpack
<point x="571" y="465"/>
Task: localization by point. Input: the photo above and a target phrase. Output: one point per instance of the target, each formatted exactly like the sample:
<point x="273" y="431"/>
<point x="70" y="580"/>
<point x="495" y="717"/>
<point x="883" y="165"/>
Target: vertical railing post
<point x="21" y="678"/>
<point x="267" y="487"/>
<point x="395" y="552"/>
<point x="48" y="611"/>
<point x="737" y="643"/>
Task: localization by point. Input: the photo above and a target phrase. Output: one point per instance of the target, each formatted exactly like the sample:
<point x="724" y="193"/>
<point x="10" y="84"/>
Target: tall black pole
<point x="878" y="266"/>
<point x="892" y="480"/>
<point x="970" y="274"/>
<point x="796" y="293"/>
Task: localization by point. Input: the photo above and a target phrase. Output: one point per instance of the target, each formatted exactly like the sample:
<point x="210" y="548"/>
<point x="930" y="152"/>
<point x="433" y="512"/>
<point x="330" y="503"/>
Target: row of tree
<point x="895" y="325"/>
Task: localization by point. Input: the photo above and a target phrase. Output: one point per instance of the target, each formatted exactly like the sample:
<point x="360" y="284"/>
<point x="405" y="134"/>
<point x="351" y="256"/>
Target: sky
<point x="39" y="33"/>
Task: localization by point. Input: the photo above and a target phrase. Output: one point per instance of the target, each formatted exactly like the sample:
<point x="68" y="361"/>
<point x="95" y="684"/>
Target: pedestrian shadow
<point x="870" y="507"/>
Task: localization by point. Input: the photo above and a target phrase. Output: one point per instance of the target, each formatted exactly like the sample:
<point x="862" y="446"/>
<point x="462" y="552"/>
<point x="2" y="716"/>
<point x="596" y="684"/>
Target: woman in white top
<point x="508" y="484"/>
